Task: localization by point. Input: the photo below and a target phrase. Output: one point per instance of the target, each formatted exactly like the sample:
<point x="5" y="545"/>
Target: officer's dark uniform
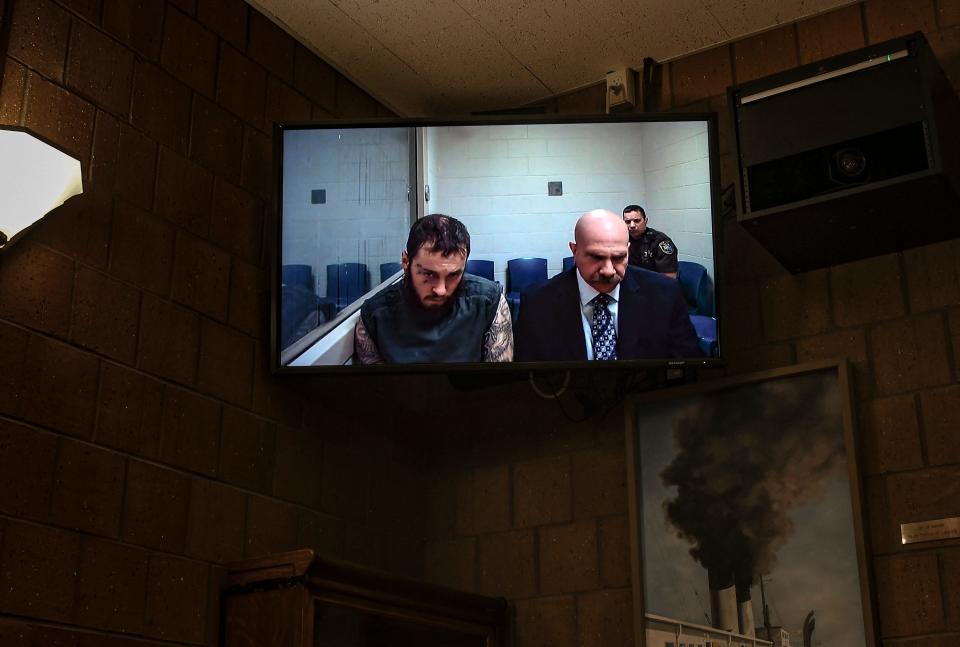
<point x="653" y="251"/>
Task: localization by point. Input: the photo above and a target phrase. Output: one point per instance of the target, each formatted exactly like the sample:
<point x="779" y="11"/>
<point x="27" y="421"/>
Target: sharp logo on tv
<point x="434" y="245"/>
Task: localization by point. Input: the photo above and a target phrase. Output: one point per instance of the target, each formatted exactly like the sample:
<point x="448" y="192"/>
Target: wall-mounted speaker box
<point x="854" y="156"/>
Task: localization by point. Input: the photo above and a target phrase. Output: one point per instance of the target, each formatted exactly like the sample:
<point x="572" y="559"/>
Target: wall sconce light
<point x="35" y="178"/>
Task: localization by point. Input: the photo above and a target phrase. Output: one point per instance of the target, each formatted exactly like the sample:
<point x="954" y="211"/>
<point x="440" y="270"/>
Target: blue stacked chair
<point x="697" y="288"/>
<point x="352" y="285"/>
<point x="346" y="282"/>
<point x="521" y="274"/>
<point x="568" y="263"/>
<point x="388" y="269"/>
<point x="299" y="304"/>
<point x="301" y="275"/>
<point x="698" y="292"/>
<point x="706" y="328"/>
<point x="480" y="267"/>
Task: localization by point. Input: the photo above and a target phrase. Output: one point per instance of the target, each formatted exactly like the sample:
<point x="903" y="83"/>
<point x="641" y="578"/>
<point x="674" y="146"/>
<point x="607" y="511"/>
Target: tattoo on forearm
<point x="364" y="348"/>
<point x="498" y="340"/>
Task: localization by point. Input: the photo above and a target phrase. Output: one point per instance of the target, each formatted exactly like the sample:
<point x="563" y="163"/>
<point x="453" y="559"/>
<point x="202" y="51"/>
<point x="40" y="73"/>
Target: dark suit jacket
<point x="652" y="320"/>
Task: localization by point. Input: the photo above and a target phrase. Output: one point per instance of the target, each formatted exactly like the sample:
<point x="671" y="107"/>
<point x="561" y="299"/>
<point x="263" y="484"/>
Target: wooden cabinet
<point x="298" y="599"/>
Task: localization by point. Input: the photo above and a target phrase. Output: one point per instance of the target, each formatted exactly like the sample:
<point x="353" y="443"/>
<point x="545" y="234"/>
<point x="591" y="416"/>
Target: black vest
<point x="403" y="334"/>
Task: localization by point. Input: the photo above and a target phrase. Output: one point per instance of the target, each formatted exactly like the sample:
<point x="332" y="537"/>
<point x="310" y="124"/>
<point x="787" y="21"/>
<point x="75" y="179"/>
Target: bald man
<point x="603" y="309"/>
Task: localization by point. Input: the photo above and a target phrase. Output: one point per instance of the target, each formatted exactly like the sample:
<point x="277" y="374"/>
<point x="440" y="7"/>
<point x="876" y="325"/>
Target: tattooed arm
<point x="498" y="340"/>
<point x="364" y="348"/>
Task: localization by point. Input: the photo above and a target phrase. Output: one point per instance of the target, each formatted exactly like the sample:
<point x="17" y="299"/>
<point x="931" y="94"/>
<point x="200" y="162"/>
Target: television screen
<point x="496" y="243"/>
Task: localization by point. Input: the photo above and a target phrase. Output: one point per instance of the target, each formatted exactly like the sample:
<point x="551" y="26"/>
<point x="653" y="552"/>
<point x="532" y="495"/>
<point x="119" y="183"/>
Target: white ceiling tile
<point x="742" y="17"/>
<point x="471" y="70"/>
<point x="453" y="56"/>
<point x="354" y="52"/>
<point x="399" y="19"/>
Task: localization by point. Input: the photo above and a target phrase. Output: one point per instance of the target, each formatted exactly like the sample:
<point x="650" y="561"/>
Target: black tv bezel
<point x="275" y="236"/>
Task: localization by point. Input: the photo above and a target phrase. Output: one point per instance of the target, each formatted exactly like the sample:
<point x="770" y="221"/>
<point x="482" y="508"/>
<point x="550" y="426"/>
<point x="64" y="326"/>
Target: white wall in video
<point x="495" y="179"/>
<point x="345" y="197"/>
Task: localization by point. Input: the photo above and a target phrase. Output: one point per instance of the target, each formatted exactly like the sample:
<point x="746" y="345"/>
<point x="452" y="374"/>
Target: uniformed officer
<point x="649" y="248"/>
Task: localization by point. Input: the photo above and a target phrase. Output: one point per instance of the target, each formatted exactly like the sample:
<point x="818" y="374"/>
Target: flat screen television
<point x="348" y="194"/>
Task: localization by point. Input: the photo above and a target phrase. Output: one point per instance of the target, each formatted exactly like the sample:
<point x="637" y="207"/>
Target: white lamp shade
<point x="34" y="179"/>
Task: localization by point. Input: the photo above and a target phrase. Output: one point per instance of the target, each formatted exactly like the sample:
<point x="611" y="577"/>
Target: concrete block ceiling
<point x="454" y="57"/>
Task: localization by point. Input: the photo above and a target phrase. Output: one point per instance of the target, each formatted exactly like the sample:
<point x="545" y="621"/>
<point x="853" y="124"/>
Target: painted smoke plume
<point x="744" y="459"/>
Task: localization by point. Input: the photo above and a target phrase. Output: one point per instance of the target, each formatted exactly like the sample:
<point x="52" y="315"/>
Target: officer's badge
<point x="667" y="247"/>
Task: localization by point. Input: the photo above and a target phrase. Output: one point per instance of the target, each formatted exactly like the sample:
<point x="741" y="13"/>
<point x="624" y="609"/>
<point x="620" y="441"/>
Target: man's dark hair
<point x="438" y="233"/>
<point x="635" y="207"/>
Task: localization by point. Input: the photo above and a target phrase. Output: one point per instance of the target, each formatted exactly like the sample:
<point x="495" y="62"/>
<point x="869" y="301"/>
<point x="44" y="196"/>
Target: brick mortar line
<point x="546" y="526"/>
<point x="3" y="538"/>
<point x="48" y="512"/>
<point x="603" y="446"/>
<point x="82" y="535"/>
<point x="598" y="541"/>
<point x="102" y="357"/>
<point x="864" y="23"/>
<point x="914" y="550"/>
<point x="867" y="325"/>
<point x="906" y="640"/>
<point x="72" y="15"/>
<point x="910" y="471"/>
<point x="219" y="435"/>
<point x="537" y="566"/>
<point x="870" y="386"/>
<point x="81" y="545"/>
<point x="267" y="74"/>
<point x="444" y="458"/>
<point x="21" y="97"/>
<point x="211" y="616"/>
<point x="142" y="290"/>
<point x="476" y="543"/>
<point x="948" y="339"/>
<point x="910" y="392"/>
<point x="177" y="229"/>
<point x="246" y="33"/>
<point x="6" y="18"/>
<point x="138" y="344"/>
<point x="921" y="429"/>
<point x="796" y="42"/>
<point x="63" y="626"/>
<point x="937" y="10"/>
<point x="218" y="62"/>
<point x="943" y="588"/>
<point x="573" y="594"/>
<point x="61" y="84"/>
<point x="246" y="528"/>
<point x="183" y="472"/>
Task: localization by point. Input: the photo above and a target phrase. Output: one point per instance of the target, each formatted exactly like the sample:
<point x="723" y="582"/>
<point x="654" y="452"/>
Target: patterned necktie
<point x="603" y="331"/>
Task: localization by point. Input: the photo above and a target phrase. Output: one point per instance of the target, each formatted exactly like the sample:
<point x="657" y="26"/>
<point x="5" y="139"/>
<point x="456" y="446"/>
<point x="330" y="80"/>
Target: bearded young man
<point x="437" y="312"/>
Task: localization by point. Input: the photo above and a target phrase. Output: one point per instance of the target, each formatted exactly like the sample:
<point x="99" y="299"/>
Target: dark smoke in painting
<point x="745" y="458"/>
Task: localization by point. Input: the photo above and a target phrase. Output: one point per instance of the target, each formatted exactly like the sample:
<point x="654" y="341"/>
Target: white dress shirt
<point x="587" y="294"/>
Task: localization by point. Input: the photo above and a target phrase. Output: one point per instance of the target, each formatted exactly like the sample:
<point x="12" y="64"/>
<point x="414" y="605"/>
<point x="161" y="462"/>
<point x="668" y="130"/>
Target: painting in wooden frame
<point x="745" y="516"/>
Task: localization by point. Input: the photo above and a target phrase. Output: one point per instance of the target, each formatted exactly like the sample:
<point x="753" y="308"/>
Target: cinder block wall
<point x="142" y="441"/>
<point x="529" y="505"/>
